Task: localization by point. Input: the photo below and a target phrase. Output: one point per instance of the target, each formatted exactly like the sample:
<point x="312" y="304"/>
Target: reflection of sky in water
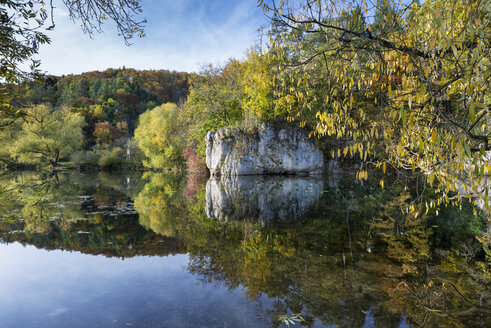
<point x="68" y="289"/>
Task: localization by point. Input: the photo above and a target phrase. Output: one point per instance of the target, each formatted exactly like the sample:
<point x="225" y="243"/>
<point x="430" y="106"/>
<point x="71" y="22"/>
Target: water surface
<point x="126" y="250"/>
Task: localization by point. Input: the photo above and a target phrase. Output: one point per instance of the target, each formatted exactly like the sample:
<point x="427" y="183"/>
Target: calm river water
<point x="159" y="250"/>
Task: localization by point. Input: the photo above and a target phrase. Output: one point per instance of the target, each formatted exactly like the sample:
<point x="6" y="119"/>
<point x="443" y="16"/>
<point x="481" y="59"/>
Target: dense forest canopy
<point x="114" y="95"/>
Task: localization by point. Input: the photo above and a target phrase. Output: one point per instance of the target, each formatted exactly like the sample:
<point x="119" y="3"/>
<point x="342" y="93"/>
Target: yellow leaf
<point x="455" y="53"/>
<point x="434" y="135"/>
<point x="431" y="177"/>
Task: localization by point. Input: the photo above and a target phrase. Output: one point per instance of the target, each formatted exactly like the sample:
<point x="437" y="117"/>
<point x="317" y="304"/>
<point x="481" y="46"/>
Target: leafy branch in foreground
<point x="23" y="27"/>
<point x="406" y="84"/>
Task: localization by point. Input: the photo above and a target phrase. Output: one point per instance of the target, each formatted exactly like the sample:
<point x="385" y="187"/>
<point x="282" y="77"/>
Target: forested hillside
<point x="87" y="119"/>
<point x="112" y="96"/>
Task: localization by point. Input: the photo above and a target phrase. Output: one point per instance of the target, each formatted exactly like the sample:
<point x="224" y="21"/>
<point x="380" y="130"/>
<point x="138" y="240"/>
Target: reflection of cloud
<point x="181" y="35"/>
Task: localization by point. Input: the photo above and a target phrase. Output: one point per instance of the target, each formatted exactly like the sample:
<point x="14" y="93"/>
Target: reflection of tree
<point x="127" y="183"/>
<point x="195" y="181"/>
<point x="89" y="213"/>
<point x="107" y="235"/>
<point x="289" y="264"/>
<point x="359" y="254"/>
<point x="441" y="277"/>
<point x="406" y="235"/>
<point x="35" y="198"/>
<point x="300" y="265"/>
<point x="159" y="204"/>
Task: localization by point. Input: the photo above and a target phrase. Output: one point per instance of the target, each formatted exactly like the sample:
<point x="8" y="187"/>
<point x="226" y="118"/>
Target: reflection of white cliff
<point x="263" y="198"/>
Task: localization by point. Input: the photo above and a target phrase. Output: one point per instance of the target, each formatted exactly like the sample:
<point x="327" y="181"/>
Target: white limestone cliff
<point x="269" y="150"/>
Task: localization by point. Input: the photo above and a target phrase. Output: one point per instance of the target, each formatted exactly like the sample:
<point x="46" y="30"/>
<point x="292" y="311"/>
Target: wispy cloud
<point x="181" y="35"/>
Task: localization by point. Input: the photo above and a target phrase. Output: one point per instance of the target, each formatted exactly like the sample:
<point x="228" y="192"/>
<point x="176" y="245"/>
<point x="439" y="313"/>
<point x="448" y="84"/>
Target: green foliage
<point x="258" y="84"/>
<point x="214" y="101"/>
<point x="113" y="95"/>
<point x="111" y="158"/>
<point x="156" y="135"/>
<point x="8" y="135"/>
<point x="85" y="158"/>
<point x="47" y="210"/>
<point x="160" y="204"/>
<point x="263" y="91"/>
<point x="110" y="102"/>
<point x="47" y="135"/>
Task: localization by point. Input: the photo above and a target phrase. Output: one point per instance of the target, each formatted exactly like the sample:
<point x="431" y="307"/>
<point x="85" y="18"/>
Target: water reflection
<point x="351" y="257"/>
<point x="159" y="203"/>
<point x="265" y="198"/>
<point x="91" y="213"/>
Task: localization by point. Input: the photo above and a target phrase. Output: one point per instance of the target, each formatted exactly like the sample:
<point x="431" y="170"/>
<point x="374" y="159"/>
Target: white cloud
<point x="181" y="35"/>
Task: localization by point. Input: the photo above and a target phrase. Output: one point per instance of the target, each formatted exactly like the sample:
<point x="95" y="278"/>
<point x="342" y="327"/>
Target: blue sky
<point x="182" y="35"/>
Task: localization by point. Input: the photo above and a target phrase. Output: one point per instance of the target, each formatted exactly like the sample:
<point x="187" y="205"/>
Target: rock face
<point x="271" y="150"/>
<point x="263" y="198"/>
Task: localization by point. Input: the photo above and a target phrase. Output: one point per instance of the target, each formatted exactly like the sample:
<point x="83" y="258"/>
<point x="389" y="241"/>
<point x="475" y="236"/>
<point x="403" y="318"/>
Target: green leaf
<point x="467" y="150"/>
<point x="472" y="112"/>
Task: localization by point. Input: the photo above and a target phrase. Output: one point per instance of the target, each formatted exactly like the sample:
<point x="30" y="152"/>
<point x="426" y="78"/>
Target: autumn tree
<point x="157" y="136"/>
<point x="215" y="101"/>
<point x="105" y="132"/>
<point x="406" y="82"/>
<point x="262" y="95"/>
<point x="48" y="135"/>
